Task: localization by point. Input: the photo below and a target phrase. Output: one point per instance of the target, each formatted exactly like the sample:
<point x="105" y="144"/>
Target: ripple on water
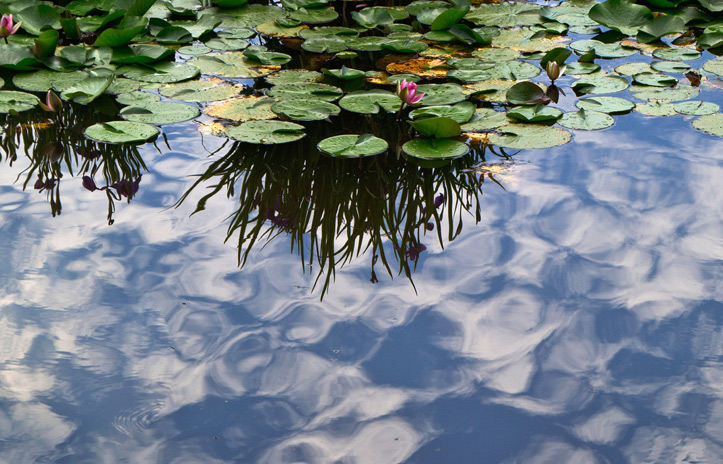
<point x="135" y="420"/>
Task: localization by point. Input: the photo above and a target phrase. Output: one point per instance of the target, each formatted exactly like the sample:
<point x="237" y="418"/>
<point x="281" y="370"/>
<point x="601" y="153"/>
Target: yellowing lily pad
<point x="528" y="136"/>
<point x="248" y="108"/>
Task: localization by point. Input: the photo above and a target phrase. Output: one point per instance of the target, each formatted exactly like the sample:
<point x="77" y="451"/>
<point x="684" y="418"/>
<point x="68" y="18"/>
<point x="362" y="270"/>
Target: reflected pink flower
<point x="407" y="92"/>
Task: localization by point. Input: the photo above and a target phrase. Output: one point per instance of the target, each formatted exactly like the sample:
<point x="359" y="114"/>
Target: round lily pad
<point x="200" y="91"/>
<point x="441" y="94"/>
<point x="249" y="108"/>
<point x="396" y="78"/>
<point x="46" y="79"/>
<point x="121" y="132"/>
<point x="353" y="145"/>
<point x="598" y="85"/>
<point x="194" y="50"/>
<point x="528" y="136"/>
<point x="496" y="54"/>
<point x="655" y="79"/>
<point x="225" y="44"/>
<point x="292" y="76"/>
<point x="266" y="132"/>
<point x="603" y="50"/>
<point x="325" y="45"/>
<point x="121" y="85"/>
<point x="656" y="108"/>
<point x="162" y="73"/>
<point x="485" y="119"/>
<point x="533" y="114"/>
<point x="678" y="93"/>
<point x="305" y="110"/>
<point x="670" y="66"/>
<point x="370" y="101"/>
<point x="609" y="105"/>
<point x="306" y="90"/>
<point x="677" y="54"/>
<point x="461" y="112"/>
<point x="579" y="68"/>
<point x="314" y="15"/>
<point x="231" y="64"/>
<point x="586" y="120"/>
<point x="11" y="100"/>
<point x="434" y="149"/>
<point x="714" y="66"/>
<point x="630" y="69"/>
<point x="137" y="97"/>
<point x="493" y="90"/>
<point x="159" y="113"/>
<point x="696" y="108"/>
<point x="711" y="124"/>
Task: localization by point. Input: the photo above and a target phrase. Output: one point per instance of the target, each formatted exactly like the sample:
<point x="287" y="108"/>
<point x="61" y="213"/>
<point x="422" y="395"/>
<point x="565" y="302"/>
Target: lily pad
<point x="677" y="54"/>
<point x="305" y="110"/>
<point x="608" y="105"/>
<point x="306" y="90"/>
<point x="599" y="85"/>
<point x="493" y="90"/>
<point x="665" y="95"/>
<point x="714" y="66"/>
<point x="159" y="113"/>
<point x="231" y="64"/>
<point x="655" y="79"/>
<point x="435" y="149"/>
<point x="344" y="73"/>
<point x="137" y="98"/>
<point x="438" y="127"/>
<point x="485" y="119"/>
<point x="194" y="50"/>
<point x="496" y="54"/>
<point x="656" y="108"/>
<point x="441" y="94"/>
<point x="162" y="73"/>
<point x="200" y="91"/>
<point x="370" y="101"/>
<point x="526" y="93"/>
<point x="630" y="69"/>
<point x="225" y="44"/>
<point x="325" y="45"/>
<point x="461" y="112"/>
<point x="353" y="146"/>
<point x="578" y="68"/>
<point x="11" y="100"/>
<point x="602" y="50"/>
<point x="711" y="124"/>
<point x="534" y="114"/>
<point x="45" y="79"/>
<point x="696" y="108"/>
<point x="292" y="76"/>
<point x="586" y="120"/>
<point x="621" y="15"/>
<point x="121" y="132"/>
<point x="670" y="66"/>
<point x="248" y="108"/>
<point x="266" y="132"/>
<point x="529" y="136"/>
<point x="505" y="14"/>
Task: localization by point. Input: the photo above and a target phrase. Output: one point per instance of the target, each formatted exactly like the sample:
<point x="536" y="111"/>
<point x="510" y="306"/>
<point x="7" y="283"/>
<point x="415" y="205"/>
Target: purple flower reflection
<point x="126" y="188"/>
<point x="439" y="200"/>
<point x="89" y="184"/>
<point x="413" y="253"/>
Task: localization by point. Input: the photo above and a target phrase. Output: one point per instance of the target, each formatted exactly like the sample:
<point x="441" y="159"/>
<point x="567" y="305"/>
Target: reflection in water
<point x="333" y="210"/>
<point x="55" y="150"/>
<point x="579" y="322"/>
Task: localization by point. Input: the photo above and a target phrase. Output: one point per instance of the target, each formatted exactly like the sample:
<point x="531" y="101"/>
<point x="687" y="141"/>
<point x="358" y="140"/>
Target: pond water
<point x="578" y="321"/>
<point x="197" y="299"/>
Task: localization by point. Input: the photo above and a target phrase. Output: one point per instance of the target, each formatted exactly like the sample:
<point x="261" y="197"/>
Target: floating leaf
<point x="344" y="73"/>
<point x="229" y="45"/>
<point x="435" y="149"/>
<point x="505" y="14"/>
<point x="439" y="127"/>
<point x="266" y="132"/>
<point x="711" y="124"/>
<point x="159" y="113"/>
<point x="602" y="50"/>
<point x="656" y="108"/>
<point x="200" y="91"/>
<point x="353" y="145"/>
<point x="231" y="64"/>
<point x="493" y="90"/>
<point x="630" y="69"/>
<point x="678" y="93"/>
<point x="11" y="100"/>
<point x="305" y="110"/>
<point x="586" y="120"/>
<point x="496" y="54"/>
<point x="162" y="73"/>
<point x="670" y="66"/>
<point x="137" y="98"/>
<point x="526" y="93"/>
<point x="696" y="108"/>
<point x="609" y="105"/>
<point x="194" y="50"/>
<point x="714" y="66"/>
<point x="305" y="91"/>
<point x="579" y="67"/>
<point x="529" y="136"/>
<point x="140" y="53"/>
<point x="485" y="119"/>
<point x="325" y="45"/>
<point x="441" y="94"/>
<point x="621" y="15"/>
<point x="534" y="114"/>
<point x="264" y="57"/>
<point x="655" y="79"/>
<point x="249" y="108"/>
<point x="45" y="79"/>
<point x="291" y="76"/>
<point x="370" y="101"/>
<point x="598" y="85"/>
<point x="677" y="54"/>
<point x="121" y="132"/>
<point x="461" y="112"/>
<point x="659" y="27"/>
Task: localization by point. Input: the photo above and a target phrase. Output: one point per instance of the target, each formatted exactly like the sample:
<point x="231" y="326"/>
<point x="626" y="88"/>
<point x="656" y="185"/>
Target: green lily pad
<point x="621" y="15"/>
<point x="493" y="90"/>
<point x="714" y="66"/>
<point x="159" y="113"/>
<point x="534" y="114"/>
<point x="438" y="127"/>
<point x="404" y="46"/>
<point x="505" y="14"/>
<point x="496" y="54"/>
<point x="461" y="112"/>
<point x="526" y="93"/>
<point x="344" y="73"/>
<point x="262" y="56"/>
<point x="608" y="105"/>
<point x="353" y="146"/>
<point x="121" y="132"/>
<point x="137" y="97"/>
<point x="435" y="149"/>
<point x="229" y="45"/>
<point x="602" y="50"/>
<point x="485" y="119"/>
<point x="314" y="15"/>
<point x="325" y="45"/>
<point x="248" y="108"/>
<point x="599" y="85"/>
<point x="370" y="101"/>
<point x="655" y="79"/>
<point x="328" y="31"/>
<point x="11" y="100"/>
<point x="266" y="132"/>
<point x="677" y="54"/>
<point x="664" y="95"/>
<point x="441" y="94"/>
<point x="586" y="120"/>
<point x="45" y="79"/>
<point x="670" y="66"/>
<point x="194" y="50"/>
<point x="90" y="88"/>
<point x="306" y="90"/>
<point x="246" y="16"/>
<point x="579" y="68"/>
<point x="291" y="76"/>
<point x="396" y="78"/>
<point x="231" y="64"/>
<point x="305" y="110"/>
<point x="173" y="35"/>
<point x="529" y="136"/>
<point x="711" y="124"/>
<point x="200" y="91"/>
<point x="162" y="73"/>
<point x="696" y="108"/>
<point x="630" y="69"/>
<point x="660" y="27"/>
<point x="365" y="44"/>
<point x="122" y="85"/>
<point x="656" y="108"/>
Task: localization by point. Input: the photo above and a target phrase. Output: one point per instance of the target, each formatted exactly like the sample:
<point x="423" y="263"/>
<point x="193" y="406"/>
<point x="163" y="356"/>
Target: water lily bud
<point x="53" y="103"/>
<point x="89" y="183"/>
<point x="554" y="70"/>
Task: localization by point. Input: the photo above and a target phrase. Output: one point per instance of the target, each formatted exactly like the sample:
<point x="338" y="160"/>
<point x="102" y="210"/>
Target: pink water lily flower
<point x="6" y="27"/>
<point x="407" y="91"/>
<point x="53" y="103"/>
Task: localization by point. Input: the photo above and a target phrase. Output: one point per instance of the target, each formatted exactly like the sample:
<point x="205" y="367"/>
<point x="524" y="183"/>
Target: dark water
<point x="580" y="321"/>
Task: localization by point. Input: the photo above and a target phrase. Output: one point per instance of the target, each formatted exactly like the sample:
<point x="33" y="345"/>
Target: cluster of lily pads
<point x="261" y="73"/>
